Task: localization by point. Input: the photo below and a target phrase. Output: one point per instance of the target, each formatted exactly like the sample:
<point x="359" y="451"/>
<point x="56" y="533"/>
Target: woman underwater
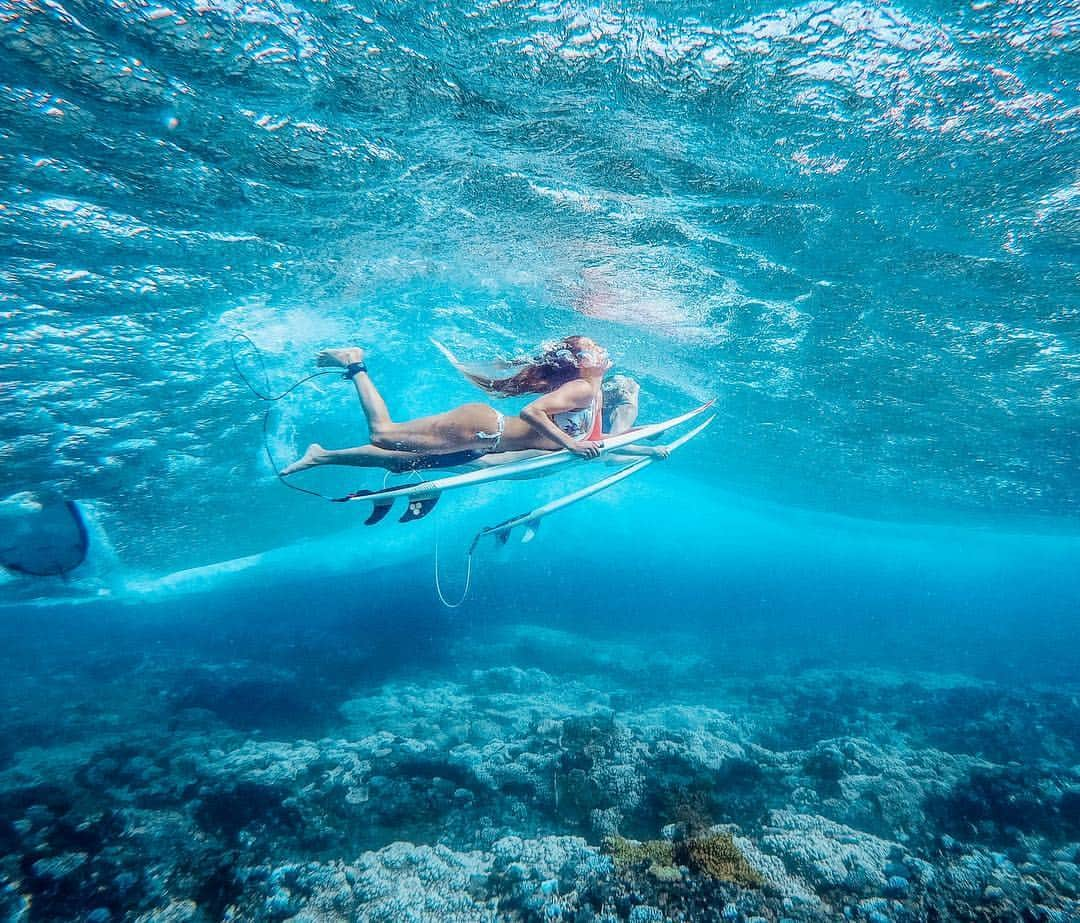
<point x="568" y="414"/>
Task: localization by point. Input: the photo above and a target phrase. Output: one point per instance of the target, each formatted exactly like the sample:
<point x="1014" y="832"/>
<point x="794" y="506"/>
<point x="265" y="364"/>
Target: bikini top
<point x="580" y="424"/>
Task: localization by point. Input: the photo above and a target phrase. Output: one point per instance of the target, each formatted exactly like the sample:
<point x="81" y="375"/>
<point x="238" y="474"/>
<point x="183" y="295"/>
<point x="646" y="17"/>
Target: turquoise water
<point x="841" y="622"/>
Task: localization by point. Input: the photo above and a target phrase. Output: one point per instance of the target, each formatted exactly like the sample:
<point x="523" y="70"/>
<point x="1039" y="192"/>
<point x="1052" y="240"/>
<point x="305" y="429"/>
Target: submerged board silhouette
<point x="46" y="542"/>
<point x="421" y="497"/>
<point x="529" y="522"/>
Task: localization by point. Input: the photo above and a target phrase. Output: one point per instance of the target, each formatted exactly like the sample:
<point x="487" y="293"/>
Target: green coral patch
<point x="715" y="856"/>
<point x="624" y="852"/>
<point x="718" y="857"/>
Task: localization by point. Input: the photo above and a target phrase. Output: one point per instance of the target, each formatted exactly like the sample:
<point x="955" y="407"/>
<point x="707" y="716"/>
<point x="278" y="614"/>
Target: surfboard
<point x="421" y="497"/>
<point x="531" y="520"/>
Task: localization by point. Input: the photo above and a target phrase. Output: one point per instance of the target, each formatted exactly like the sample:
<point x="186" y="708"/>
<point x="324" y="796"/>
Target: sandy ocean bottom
<point x="502" y="771"/>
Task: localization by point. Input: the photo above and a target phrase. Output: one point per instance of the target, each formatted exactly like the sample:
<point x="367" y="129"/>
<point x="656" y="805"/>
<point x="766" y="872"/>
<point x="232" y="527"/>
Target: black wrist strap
<point x="352" y="368"/>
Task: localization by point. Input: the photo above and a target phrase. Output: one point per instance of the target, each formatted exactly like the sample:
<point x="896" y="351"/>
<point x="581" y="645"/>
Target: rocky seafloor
<point x="510" y="779"/>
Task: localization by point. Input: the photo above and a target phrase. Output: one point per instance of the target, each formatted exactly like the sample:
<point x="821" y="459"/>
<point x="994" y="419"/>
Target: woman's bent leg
<point x="375" y="409"/>
<point x="457" y="430"/>
<point x="470" y="426"/>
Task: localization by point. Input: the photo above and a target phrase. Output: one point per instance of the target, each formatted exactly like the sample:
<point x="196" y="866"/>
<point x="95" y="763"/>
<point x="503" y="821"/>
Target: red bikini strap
<point x="597" y="424"/>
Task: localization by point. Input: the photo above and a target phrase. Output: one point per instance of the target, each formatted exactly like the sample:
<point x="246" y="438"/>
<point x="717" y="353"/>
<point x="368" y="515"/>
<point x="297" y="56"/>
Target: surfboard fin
<point x="379" y="508"/>
<point x="378" y="512"/>
<point x="419" y="507"/>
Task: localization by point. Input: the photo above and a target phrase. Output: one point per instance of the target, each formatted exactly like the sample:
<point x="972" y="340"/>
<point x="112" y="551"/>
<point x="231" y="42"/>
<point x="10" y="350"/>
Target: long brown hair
<point x="554" y="367"/>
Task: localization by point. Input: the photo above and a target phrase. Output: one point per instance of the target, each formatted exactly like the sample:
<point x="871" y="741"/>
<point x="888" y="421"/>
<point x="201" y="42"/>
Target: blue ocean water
<point x="821" y="664"/>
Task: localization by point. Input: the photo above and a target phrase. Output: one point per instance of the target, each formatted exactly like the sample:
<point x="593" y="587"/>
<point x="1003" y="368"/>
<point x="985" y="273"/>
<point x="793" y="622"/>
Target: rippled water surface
<point x="823" y="661"/>
<point x="854" y="223"/>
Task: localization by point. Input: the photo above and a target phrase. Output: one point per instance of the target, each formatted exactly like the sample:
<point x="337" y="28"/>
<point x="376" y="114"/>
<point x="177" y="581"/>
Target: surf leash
<point x="269" y="399"/>
<point x="468" y="574"/>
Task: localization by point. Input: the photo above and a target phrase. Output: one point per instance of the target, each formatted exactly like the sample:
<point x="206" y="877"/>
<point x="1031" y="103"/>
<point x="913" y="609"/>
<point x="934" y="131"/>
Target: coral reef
<point x="511" y="792"/>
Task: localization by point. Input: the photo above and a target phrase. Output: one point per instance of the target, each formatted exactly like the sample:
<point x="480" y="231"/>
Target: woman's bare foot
<point x="312" y="457"/>
<point x="340" y="358"/>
